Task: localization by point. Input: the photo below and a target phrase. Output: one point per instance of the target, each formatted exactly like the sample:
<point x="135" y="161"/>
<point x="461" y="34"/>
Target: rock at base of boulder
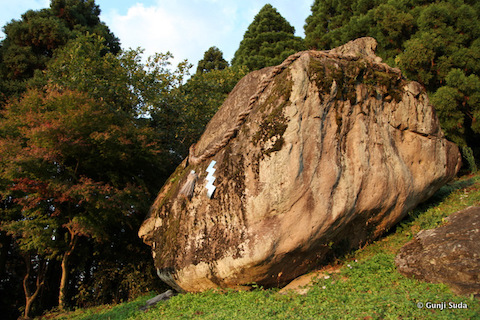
<point x="449" y="254"/>
<point x="161" y="297"/>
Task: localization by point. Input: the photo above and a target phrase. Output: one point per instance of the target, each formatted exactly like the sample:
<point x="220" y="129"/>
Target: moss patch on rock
<point x="348" y="74"/>
<point x="274" y="123"/>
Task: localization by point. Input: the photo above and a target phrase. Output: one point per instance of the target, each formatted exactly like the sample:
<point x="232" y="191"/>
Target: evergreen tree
<point x="31" y="41"/>
<point x="268" y="41"/>
<point x="458" y="105"/>
<point x="212" y="60"/>
<point x="433" y="42"/>
<point x="327" y="16"/>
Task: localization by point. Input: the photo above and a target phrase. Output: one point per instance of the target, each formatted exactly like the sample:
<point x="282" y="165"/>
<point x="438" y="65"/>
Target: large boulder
<point x="326" y="151"/>
<point x="449" y="254"/>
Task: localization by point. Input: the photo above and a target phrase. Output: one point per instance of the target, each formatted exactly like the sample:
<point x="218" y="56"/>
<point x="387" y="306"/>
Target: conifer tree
<point x="31" y="41"/>
<point x="268" y="41"/>
<point x="433" y="42"/>
<point x="212" y="60"/>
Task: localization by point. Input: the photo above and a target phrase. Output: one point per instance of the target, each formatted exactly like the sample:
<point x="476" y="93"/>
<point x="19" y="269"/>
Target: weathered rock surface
<point x="336" y="148"/>
<point x="449" y="254"/>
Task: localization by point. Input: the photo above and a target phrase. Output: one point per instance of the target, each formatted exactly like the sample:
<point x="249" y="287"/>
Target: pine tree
<point x="268" y="41"/>
<point x="321" y="26"/>
<point x="212" y="60"/>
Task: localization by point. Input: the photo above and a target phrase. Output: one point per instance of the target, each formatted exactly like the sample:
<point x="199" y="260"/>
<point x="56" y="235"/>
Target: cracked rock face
<point x="338" y="148"/>
<point x="449" y="254"/>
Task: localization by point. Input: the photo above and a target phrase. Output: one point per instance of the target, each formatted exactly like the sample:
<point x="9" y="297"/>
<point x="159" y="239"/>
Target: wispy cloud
<point x="188" y="28"/>
<point x="178" y="27"/>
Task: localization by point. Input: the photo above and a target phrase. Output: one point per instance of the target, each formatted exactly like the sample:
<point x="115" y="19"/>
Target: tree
<point x="121" y="80"/>
<point x="82" y="16"/>
<point x="212" y="60"/>
<point x="426" y="39"/>
<point x="322" y="26"/>
<point x="78" y="170"/>
<point x="333" y="23"/>
<point x="196" y="102"/>
<point x="72" y="167"/>
<point x="458" y="105"/>
<point x="31" y="41"/>
<point x="434" y="49"/>
<point x="268" y="41"/>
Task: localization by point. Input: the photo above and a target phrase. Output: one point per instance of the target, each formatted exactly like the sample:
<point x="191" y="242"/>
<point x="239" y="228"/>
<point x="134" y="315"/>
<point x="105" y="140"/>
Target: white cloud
<point x="188" y="28"/>
<point x="185" y="29"/>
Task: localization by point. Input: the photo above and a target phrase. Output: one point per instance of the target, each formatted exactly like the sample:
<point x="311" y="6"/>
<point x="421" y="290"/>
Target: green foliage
<point x="368" y="285"/>
<point x="433" y="42"/>
<point x="458" y="107"/>
<point x="212" y="60"/>
<point x="82" y="16"/>
<point x="268" y="41"/>
<point x="30" y="42"/>
<point x="122" y="81"/>
<point x="195" y="103"/>
<point x="468" y="155"/>
<point x="323" y="26"/>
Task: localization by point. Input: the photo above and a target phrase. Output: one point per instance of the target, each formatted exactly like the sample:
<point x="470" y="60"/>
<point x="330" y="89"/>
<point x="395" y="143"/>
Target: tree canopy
<point x="212" y="60"/>
<point x="80" y="165"/>
<point x="268" y="41"/>
<point x="433" y="42"/>
<point x="31" y="41"/>
<point x="71" y="167"/>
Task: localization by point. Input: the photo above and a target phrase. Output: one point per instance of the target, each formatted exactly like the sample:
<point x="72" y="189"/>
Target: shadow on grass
<point x="437" y="199"/>
<point x="118" y="312"/>
<point x="423" y="215"/>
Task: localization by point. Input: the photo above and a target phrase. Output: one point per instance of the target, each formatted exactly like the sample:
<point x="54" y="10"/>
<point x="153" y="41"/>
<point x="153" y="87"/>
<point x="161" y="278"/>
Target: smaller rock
<point x="163" y="296"/>
<point x="414" y="88"/>
<point x="449" y="254"/>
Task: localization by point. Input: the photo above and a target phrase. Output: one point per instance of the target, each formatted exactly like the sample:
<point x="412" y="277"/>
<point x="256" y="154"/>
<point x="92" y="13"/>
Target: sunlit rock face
<point x="337" y="149"/>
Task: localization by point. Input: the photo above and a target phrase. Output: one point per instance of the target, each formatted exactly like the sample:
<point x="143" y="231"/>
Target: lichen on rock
<point x="336" y="148"/>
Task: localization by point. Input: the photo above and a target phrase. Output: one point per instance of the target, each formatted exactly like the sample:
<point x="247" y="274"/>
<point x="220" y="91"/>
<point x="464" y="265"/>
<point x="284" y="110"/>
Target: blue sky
<point x="186" y="28"/>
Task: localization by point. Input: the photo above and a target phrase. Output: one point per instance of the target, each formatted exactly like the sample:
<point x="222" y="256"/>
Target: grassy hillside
<point x="367" y="286"/>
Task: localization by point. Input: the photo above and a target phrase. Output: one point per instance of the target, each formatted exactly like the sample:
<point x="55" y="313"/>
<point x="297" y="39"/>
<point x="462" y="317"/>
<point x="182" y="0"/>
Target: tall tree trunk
<point x="65" y="271"/>
<point x="30" y="298"/>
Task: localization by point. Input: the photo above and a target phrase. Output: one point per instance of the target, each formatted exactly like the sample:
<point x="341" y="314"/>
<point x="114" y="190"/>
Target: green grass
<point x="367" y="287"/>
